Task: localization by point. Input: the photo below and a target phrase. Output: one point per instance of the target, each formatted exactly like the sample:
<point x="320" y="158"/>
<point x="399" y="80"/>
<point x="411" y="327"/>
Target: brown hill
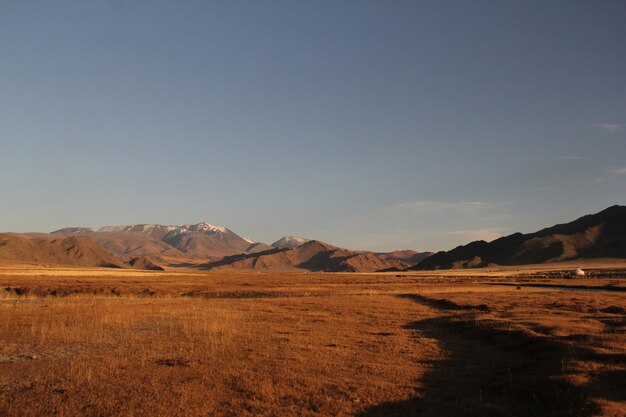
<point x="133" y="244"/>
<point x="402" y="259"/>
<point x="361" y="262"/>
<point x="258" y="247"/>
<point x="600" y="235"/>
<point x="141" y="262"/>
<point x="75" y="250"/>
<point x="310" y="256"/>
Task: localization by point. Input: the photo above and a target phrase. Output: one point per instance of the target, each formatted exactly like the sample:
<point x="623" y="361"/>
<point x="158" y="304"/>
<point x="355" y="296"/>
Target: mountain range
<point x="600" y="235"/>
<point x="188" y="241"/>
<point x="316" y="256"/>
<point x="208" y="247"/>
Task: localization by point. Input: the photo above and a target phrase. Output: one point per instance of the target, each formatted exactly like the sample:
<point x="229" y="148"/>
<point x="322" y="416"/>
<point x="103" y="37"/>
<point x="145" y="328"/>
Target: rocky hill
<point x="600" y="235"/>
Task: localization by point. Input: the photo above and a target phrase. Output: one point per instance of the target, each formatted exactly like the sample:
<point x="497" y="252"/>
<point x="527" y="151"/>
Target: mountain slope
<point x="202" y="240"/>
<point x="133" y="244"/>
<point x="156" y="231"/>
<point x="408" y="257"/>
<point x="257" y="247"/>
<point x="312" y="256"/>
<point x="141" y="262"/>
<point x="74" y="250"/>
<point x="289" y="242"/>
<point x="593" y="236"/>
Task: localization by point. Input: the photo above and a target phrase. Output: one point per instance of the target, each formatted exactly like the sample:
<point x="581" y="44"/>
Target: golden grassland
<point x="130" y="343"/>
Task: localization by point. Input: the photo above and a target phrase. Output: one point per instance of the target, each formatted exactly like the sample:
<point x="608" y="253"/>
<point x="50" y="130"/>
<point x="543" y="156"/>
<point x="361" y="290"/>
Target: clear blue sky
<point x="367" y="124"/>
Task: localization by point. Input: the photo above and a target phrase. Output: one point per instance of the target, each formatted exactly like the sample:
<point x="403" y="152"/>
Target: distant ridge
<point x="314" y="256"/>
<point x="600" y="235"/>
<point x="289" y="242"/>
<point x="74" y="250"/>
<point x="208" y="246"/>
<point x="202" y="240"/>
<point x="407" y="256"/>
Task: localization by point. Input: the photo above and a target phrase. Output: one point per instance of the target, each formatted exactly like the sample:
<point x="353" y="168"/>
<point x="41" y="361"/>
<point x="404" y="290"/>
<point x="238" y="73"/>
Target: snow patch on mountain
<point x="290" y="241"/>
<point x="141" y="228"/>
<point x="206" y="227"/>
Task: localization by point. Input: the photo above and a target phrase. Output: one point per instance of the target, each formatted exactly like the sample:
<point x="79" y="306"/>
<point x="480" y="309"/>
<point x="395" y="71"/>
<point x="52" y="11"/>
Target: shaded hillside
<point x="75" y="250"/>
<point x="141" y="262"/>
<point x="600" y="235"/>
<point x="311" y="256"/>
<point x="407" y="257"/>
<point x="242" y="260"/>
<point x="258" y="247"/>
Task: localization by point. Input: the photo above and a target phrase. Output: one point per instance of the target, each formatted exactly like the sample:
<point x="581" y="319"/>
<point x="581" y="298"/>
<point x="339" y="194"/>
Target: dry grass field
<point x="130" y="343"/>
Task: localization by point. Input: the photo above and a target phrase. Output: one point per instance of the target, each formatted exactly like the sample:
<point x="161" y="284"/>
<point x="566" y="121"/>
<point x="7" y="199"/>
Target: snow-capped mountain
<point x="208" y="246"/>
<point x="198" y="240"/>
<point x="142" y="228"/>
<point x="203" y="228"/>
<point x="154" y="230"/>
<point x="290" y="241"/>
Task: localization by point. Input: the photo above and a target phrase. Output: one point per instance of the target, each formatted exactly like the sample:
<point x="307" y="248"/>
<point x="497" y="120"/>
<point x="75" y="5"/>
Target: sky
<point x="374" y="125"/>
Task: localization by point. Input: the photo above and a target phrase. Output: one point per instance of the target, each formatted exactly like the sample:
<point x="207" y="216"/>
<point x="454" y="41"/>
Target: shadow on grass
<point x="492" y="369"/>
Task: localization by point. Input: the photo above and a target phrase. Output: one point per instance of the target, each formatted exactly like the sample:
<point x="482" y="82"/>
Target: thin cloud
<point x="439" y="205"/>
<point x="597" y="180"/>
<point x="618" y="171"/>
<point x="609" y="127"/>
<point x="570" y="158"/>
